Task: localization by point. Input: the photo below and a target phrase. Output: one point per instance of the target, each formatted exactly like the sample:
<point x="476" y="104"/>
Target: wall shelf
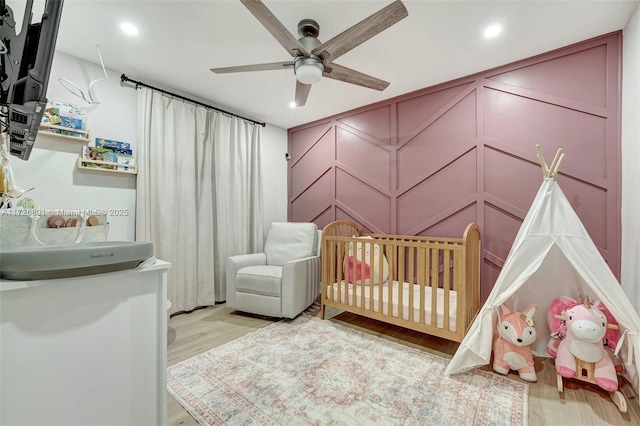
<point x="83" y="163"/>
<point x="83" y="136"/>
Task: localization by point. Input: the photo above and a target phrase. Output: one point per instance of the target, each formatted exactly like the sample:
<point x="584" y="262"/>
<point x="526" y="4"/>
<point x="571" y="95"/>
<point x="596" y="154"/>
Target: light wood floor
<point x="196" y="332"/>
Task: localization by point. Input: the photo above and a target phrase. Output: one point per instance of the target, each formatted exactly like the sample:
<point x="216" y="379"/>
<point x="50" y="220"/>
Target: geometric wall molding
<point x="431" y="161"/>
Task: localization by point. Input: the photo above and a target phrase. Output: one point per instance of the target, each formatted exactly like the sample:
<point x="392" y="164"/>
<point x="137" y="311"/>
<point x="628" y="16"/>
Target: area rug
<point x="314" y="372"/>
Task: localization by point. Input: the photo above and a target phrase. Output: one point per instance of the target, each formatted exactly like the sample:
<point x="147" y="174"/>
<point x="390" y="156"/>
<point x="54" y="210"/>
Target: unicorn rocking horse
<point x="581" y="354"/>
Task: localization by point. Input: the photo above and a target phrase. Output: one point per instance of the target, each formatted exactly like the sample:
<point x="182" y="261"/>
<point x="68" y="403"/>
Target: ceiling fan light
<point x="309" y="70"/>
<point x="309" y="73"/>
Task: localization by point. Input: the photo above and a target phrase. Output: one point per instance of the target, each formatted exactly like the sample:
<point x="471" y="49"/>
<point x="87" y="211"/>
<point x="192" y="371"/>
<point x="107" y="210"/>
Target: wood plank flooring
<point x="203" y="329"/>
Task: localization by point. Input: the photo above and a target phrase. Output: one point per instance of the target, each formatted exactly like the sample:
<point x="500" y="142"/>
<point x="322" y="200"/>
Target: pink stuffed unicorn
<point x="512" y="343"/>
<point x="586" y="326"/>
<point x="559" y="328"/>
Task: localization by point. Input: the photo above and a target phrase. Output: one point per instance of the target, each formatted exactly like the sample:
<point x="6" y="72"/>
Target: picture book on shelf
<point x="115" y="146"/>
<point x="118" y="154"/>
<point x="68" y="116"/>
<point x="98" y="154"/>
<point x="125" y="162"/>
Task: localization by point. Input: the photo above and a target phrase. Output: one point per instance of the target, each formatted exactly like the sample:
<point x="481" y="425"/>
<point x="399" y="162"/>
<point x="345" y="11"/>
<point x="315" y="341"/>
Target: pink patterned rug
<point x="314" y="372"/>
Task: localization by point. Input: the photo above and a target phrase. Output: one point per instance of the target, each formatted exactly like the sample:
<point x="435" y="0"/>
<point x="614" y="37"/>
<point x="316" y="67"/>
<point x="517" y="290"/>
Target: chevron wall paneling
<point x="432" y="161"/>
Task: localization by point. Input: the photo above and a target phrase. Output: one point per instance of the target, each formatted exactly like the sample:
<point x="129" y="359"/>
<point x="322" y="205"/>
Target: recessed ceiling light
<point x="492" y="31"/>
<point x="129" y="28"/>
<point x="292" y="105"/>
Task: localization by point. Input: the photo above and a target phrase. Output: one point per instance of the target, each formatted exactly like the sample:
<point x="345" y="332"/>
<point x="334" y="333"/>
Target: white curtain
<point x="199" y="193"/>
<point x="630" y="265"/>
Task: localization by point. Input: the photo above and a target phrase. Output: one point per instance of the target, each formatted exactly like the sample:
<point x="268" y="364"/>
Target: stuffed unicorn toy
<point x="559" y="328"/>
<point x="512" y="343"/>
<point x="586" y="327"/>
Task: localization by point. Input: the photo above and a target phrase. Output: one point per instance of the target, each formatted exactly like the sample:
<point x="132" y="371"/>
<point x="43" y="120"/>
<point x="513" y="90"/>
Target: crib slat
<point x="445" y="286"/>
<point x="350" y="272"/>
<point x="401" y="278"/>
<point x="338" y="270"/>
<point x="372" y="273"/>
<point x="362" y="273"/>
<point x="422" y="279"/>
<point x="327" y="269"/>
<point x="459" y="276"/>
<point x="435" y="272"/>
<point x="325" y="279"/>
<point x="411" y="278"/>
<point x="389" y="251"/>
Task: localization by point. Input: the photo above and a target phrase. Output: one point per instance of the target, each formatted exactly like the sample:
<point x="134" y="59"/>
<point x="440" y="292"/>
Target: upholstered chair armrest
<point x="243" y="260"/>
<point x="300" y="285"/>
<point x="234" y="264"/>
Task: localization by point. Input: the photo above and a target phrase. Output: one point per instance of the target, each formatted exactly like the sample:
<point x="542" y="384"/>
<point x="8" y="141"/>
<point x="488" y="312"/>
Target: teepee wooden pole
<point x="556" y="163"/>
<point x="554" y="170"/>
<point x="543" y="164"/>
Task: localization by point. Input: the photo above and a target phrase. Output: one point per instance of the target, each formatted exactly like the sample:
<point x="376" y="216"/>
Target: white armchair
<point x="284" y="280"/>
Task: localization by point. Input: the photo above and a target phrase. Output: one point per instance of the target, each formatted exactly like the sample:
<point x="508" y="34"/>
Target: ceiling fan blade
<point x="338" y="72"/>
<point x="275" y="27"/>
<point x="361" y="32"/>
<point x="302" y="93"/>
<point x="254" y="67"/>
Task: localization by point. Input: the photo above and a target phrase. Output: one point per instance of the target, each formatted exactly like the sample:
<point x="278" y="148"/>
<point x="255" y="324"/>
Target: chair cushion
<point x="263" y="279"/>
<point x="289" y="241"/>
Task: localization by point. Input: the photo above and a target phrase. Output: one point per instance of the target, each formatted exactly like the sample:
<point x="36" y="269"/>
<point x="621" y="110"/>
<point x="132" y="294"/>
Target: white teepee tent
<point x="552" y="256"/>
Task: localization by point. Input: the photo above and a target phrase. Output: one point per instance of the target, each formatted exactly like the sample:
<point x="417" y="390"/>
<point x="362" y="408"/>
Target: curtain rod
<point x="124" y="79"/>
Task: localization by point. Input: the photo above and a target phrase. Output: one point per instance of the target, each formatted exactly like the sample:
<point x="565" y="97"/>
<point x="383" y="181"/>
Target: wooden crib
<point x="432" y="285"/>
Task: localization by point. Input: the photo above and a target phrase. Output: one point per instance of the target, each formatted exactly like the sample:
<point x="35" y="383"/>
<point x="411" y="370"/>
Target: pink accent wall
<point x="431" y="161"/>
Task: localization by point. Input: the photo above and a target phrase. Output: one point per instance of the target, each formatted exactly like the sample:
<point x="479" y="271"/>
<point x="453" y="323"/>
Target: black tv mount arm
<point x="10" y="44"/>
<point x="25" y="64"/>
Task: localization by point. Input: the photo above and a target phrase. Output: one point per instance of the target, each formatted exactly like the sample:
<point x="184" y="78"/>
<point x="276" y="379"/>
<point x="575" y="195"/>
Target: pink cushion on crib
<point x="349" y="268"/>
<point x="359" y="253"/>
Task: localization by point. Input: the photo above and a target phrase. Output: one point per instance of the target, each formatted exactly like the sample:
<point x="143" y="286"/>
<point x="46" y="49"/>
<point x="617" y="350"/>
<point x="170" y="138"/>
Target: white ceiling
<point x="439" y="41"/>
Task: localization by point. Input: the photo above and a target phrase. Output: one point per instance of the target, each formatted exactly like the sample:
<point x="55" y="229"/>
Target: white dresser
<point x="88" y="350"/>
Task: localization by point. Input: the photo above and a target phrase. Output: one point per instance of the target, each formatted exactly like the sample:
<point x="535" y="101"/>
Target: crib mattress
<point x="349" y="290"/>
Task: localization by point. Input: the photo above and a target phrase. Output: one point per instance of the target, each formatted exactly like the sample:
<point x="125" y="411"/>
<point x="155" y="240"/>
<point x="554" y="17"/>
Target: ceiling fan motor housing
<point x="309" y="42"/>
<point x="308" y="69"/>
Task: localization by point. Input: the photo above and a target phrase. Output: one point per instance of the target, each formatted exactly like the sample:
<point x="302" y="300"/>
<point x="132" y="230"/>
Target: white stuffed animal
<point x="361" y="254"/>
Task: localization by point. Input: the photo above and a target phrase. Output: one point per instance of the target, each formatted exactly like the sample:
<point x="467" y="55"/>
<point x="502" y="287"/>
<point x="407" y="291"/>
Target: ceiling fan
<point x="312" y="59"/>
